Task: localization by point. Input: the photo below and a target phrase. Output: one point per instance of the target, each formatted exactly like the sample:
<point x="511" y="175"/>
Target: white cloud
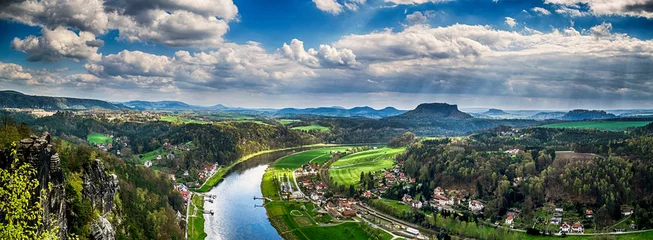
<point x="193" y="23"/>
<point x="418" y="17"/>
<point x="570" y="11"/>
<point x="330" y="6"/>
<point x="510" y="22"/>
<point x="541" y="11"/>
<point x="11" y="71"/>
<point x="632" y="8"/>
<point x="412" y="2"/>
<point x="58" y="43"/>
<point x="326" y="56"/>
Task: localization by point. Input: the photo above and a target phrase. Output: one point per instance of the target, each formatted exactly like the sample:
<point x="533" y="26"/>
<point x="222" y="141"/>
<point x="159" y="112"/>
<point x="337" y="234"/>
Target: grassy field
<point x="347" y="170"/>
<point x="196" y="226"/>
<point x="600" y="125"/>
<point x="297" y="220"/>
<point x="311" y="127"/>
<point x="298" y="159"/>
<point x="288" y="121"/>
<point x="95" y="138"/>
<point x="394" y="204"/>
<point x="181" y="119"/>
<point x="217" y="177"/>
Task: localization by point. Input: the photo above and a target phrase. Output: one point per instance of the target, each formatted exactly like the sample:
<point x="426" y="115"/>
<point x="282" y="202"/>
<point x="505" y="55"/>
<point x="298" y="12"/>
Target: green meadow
<point x="311" y="127"/>
<point x="95" y="138"/>
<point x="314" y="156"/>
<point x="347" y="170"/>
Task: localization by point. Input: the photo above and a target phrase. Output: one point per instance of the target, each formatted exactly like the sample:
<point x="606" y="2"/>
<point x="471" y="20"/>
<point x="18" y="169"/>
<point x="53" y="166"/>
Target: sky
<point x="510" y="54"/>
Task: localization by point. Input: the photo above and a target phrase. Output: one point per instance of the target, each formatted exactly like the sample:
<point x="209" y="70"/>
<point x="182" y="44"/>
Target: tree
<point x="22" y="218"/>
<point x="352" y="190"/>
<point x="362" y="180"/>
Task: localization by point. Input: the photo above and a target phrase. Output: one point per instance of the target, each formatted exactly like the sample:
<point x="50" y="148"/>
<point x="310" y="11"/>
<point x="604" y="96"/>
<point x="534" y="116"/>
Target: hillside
<point x="13" y="99"/>
<point x="434" y="111"/>
<point x="495" y="112"/>
<point x="582" y="114"/>
<point x="547" y="115"/>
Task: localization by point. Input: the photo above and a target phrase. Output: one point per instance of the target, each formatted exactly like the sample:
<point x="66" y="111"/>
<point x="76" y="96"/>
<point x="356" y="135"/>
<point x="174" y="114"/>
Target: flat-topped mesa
<point x="435" y="111"/>
<point x="583" y="114"/>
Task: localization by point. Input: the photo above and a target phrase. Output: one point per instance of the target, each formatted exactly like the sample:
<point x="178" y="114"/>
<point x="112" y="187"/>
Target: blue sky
<point x="546" y="54"/>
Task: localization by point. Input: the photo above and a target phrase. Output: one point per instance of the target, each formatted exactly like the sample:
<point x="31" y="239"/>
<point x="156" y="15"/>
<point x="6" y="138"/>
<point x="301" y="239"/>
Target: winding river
<point x="236" y="216"/>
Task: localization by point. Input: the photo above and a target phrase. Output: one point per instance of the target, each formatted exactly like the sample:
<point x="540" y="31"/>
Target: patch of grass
<point x="347" y="171"/>
<point x="196" y="225"/>
<point x="288" y="121"/>
<point x="96" y="138"/>
<point x="298" y="159"/>
<point x="177" y="119"/>
<point x="393" y="204"/>
<point x="345" y="231"/>
<point x="599" y="125"/>
<point x="311" y="127"/>
<point x="303" y="221"/>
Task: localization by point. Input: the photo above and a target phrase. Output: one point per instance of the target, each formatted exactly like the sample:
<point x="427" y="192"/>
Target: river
<point x="235" y="215"/>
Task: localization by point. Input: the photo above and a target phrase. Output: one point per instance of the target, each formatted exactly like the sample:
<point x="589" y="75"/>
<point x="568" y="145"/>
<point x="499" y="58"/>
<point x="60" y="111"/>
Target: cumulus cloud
<point x="330" y="6"/>
<point x="59" y="43"/>
<point x="632" y="8"/>
<point x="413" y="2"/>
<point x="194" y="23"/>
<point x="325" y="56"/>
<point x="541" y="11"/>
<point x="418" y="17"/>
<point x="510" y="22"/>
<point x="11" y="71"/>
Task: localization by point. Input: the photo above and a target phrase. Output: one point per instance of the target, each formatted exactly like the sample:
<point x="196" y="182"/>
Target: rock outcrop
<point x="38" y="152"/>
<point x="101" y="229"/>
<point x="99" y="187"/>
<point x="434" y="111"/>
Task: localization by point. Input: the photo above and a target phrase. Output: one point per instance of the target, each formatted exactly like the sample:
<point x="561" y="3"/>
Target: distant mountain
<point x="13" y="99"/>
<point x="434" y="111"/>
<point x="366" y="112"/>
<point x="547" y="115"/>
<point x="582" y="114"/>
<point x="495" y="112"/>
<point x="162" y="105"/>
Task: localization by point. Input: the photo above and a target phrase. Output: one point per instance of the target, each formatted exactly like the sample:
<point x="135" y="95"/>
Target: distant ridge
<point x="14" y="99"/>
<point x="494" y="112"/>
<point x="435" y="111"/>
<point x="582" y="114"/>
<point x="365" y="111"/>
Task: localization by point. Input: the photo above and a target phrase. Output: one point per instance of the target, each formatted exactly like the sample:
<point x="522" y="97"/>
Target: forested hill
<point x="434" y="111"/>
<point x="13" y="99"/>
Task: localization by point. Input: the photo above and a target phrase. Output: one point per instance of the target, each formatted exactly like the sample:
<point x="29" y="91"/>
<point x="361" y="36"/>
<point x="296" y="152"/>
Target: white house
<point x="148" y="163"/>
<point x="475" y="206"/>
<point x="442" y="200"/>
<point x="577" y="228"/>
<point x="509" y="219"/>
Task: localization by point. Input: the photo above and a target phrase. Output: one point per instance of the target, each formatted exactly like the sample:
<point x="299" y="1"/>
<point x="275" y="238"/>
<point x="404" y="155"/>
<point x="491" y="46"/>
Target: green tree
<point x="22" y="218"/>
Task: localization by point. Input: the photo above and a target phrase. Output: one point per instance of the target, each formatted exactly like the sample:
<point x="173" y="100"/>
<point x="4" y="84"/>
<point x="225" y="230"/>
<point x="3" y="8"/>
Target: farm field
<point x="288" y="121"/>
<point x="311" y="127"/>
<point x="95" y="138"/>
<point x="181" y="119"/>
<point x="196" y="226"/>
<point x="298" y="159"/>
<point x="347" y="170"/>
<point x="599" y="125"/>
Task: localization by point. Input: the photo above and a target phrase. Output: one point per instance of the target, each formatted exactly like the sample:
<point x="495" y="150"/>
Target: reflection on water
<point x="235" y="215"/>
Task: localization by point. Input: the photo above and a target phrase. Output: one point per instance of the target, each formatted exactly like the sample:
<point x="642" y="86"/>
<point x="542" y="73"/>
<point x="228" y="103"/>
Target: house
<point x="438" y="191"/>
<point x="442" y="200"/>
<point x="172" y="177"/>
<point x="512" y="151"/>
<point x="565" y="227"/>
<point x="416" y="204"/>
<point x="509" y="219"/>
<point x="407" y="198"/>
<point x="555" y="221"/>
<point x="412" y="231"/>
<point x="148" y="163"/>
<point x="367" y="194"/>
<point x="170" y="156"/>
<point x="349" y="213"/>
<point x="334" y="213"/>
<point x="626" y="210"/>
<point x="158" y="157"/>
<point x="589" y="213"/>
<point x="558" y="210"/>
<point x="577" y="228"/>
<point x="475" y="206"/>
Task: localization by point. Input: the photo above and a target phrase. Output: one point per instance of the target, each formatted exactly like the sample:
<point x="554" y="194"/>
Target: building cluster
<point x="341" y="207"/>
<point x="183" y="190"/>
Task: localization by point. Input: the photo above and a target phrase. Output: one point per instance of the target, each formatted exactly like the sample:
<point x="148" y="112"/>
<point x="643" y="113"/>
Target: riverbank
<point x="196" y="220"/>
<point x="220" y="173"/>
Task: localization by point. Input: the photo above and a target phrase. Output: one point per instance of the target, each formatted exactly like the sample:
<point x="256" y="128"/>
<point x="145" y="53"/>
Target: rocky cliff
<point x="98" y="186"/>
